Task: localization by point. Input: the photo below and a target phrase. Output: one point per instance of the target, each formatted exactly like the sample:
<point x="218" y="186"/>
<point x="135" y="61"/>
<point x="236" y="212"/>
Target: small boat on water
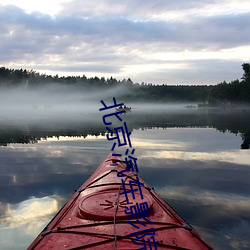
<point x="126" y="109"/>
<point x="98" y="216"/>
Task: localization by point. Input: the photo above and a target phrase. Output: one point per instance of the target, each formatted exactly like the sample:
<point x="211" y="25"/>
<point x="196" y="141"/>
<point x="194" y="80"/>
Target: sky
<point x="152" y="41"/>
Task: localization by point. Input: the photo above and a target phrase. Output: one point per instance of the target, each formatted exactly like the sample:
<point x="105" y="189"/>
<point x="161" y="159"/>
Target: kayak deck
<point x="95" y="216"/>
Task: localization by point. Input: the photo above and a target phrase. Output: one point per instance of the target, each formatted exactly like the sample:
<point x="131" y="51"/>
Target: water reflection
<point x="20" y="222"/>
<point x="194" y="165"/>
<point x="233" y="121"/>
<point x="29" y="210"/>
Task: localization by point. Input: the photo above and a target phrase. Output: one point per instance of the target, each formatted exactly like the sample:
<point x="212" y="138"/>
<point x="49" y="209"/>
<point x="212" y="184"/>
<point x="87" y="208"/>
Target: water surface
<point x="194" y="160"/>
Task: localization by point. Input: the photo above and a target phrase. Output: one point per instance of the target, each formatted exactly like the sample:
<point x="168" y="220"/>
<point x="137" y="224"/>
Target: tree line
<point x="235" y="122"/>
<point x="236" y="91"/>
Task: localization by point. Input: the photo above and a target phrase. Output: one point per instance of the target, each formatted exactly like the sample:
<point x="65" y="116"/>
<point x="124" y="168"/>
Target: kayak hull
<point x="95" y="216"/>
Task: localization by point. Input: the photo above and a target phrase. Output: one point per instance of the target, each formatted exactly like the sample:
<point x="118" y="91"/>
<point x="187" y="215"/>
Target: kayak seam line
<point x="118" y="222"/>
<point x="107" y="173"/>
<point x="99" y="178"/>
<point x="62" y="230"/>
<point x="119" y="237"/>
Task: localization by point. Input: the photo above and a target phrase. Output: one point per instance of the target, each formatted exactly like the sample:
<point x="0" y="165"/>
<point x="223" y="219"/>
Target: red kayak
<point x="115" y="209"/>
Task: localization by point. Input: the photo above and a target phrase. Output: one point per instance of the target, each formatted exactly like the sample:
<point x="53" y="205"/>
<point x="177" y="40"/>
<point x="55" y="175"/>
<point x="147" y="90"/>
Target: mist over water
<point x="61" y="107"/>
<point x="60" y="102"/>
<point x="56" y="102"/>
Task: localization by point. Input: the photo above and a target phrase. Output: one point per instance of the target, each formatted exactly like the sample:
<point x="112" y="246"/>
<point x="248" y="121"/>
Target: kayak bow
<point x="95" y="216"/>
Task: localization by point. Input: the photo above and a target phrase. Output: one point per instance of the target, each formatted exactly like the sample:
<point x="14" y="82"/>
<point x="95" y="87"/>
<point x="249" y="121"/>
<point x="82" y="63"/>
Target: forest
<point x="224" y="93"/>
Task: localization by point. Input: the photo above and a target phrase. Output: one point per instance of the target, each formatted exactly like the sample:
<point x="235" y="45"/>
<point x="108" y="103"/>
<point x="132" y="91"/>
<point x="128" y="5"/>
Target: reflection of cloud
<point x="228" y="203"/>
<point x="154" y="145"/>
<point x="2" y="209"/>
<point x="22" y="222"/>
<point x="221" y="240"/>
<point x="202" y="144"/>
<point x="29" y="213"/>
<point x="55" y="156"/>
<point x="230" y="157"/>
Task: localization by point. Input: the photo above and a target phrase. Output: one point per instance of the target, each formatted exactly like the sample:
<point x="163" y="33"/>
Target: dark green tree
<point x="246" y="69"/>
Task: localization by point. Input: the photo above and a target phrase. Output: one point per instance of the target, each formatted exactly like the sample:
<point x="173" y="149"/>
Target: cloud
<point x="117" y="30"/>
<point x="90" y="37"/>
<point x="149" y="9"/>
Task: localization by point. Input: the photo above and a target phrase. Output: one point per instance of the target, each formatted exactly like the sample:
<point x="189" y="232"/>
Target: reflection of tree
<point x="16" y="137"/>
<point x="20" y="135"/>
<point x="232" y="121"/>
<point x="246" y="141"/>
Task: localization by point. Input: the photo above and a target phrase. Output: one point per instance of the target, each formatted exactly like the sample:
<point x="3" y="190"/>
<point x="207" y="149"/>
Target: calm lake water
<point x="197" y="160"/>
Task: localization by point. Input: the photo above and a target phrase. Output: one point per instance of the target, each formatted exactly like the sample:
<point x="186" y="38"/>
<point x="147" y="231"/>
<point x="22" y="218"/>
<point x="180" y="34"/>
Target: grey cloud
<point x="85" y="68"/>
<point x="130" y="7"/>
<point x="201" y="31"/>
<point x="220" y="31"/>
<point x="108" y="42"/>
<point x="209" y="71"/>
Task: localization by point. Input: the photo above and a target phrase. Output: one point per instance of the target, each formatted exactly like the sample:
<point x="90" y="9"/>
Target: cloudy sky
<point x="157" y="41"/>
